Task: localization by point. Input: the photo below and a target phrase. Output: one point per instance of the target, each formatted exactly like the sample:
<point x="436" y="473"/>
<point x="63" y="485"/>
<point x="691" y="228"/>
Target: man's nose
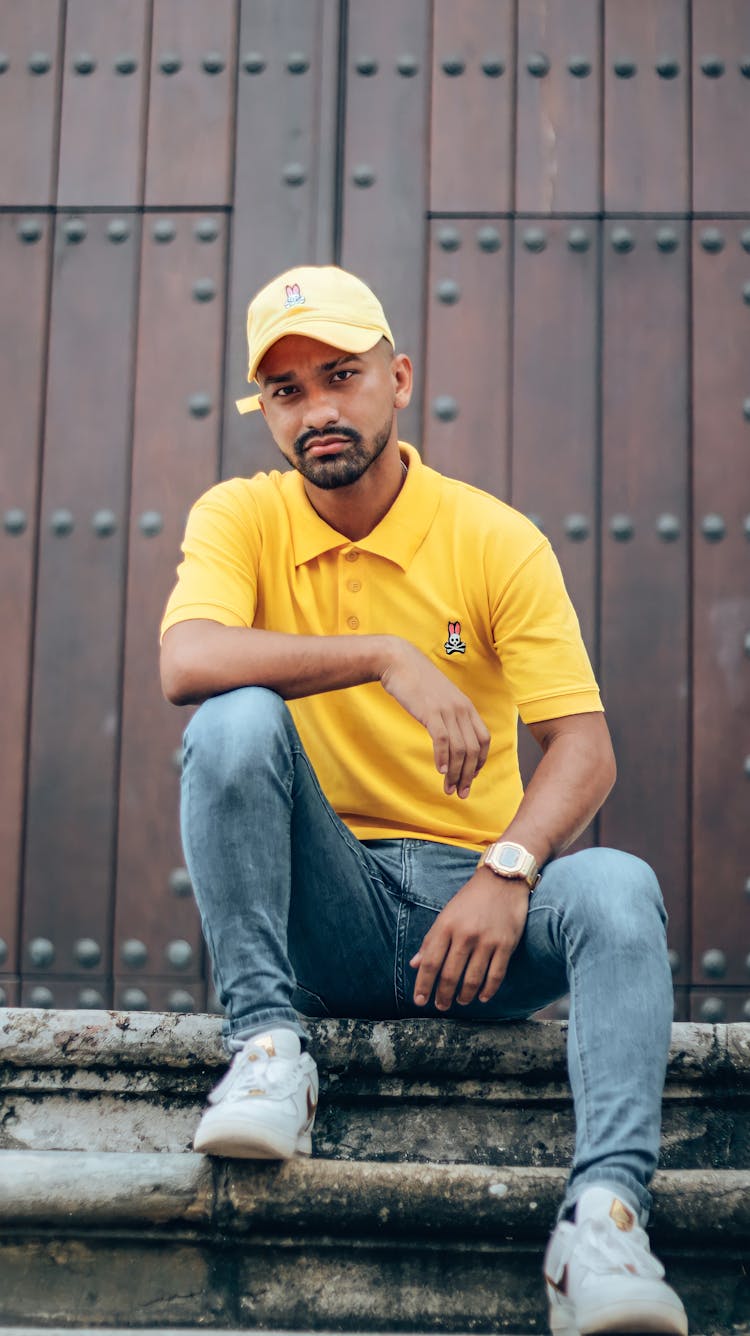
<point x="320" y="409"/>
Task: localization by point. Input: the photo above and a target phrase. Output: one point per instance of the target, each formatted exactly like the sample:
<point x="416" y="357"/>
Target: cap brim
<point x="249" y="405"/>
<point x="349" y="338"/>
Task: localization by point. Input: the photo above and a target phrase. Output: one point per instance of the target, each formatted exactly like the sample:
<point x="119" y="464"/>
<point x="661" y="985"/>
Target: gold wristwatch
<point x="507" y="859"/>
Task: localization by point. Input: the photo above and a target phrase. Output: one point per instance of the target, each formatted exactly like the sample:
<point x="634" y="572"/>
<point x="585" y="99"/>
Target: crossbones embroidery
<point x="454" y="644"/>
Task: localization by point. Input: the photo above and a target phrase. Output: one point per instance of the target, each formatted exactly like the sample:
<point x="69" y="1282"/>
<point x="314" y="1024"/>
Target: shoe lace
<point x="252" y="1069"/>
<point x="602" y="1247"/>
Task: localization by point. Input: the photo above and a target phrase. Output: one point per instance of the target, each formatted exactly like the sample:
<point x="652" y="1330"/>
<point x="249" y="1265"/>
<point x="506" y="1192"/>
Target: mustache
<point x="307" y="437"/>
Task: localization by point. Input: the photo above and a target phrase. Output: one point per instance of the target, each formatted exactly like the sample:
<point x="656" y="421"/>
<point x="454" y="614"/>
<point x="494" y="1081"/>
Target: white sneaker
<point x="264" y="1108"/>
<point x="601" y="1275"/>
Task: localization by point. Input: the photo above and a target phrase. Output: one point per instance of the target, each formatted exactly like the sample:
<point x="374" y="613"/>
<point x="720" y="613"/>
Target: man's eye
<point x="285" y="391"/>
<point x="343" y="374"/>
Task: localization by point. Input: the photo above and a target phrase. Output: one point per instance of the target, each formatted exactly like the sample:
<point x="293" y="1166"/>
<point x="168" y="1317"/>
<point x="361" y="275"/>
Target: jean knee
<point x="617" y="894"/>
<point x="231" y="729"/>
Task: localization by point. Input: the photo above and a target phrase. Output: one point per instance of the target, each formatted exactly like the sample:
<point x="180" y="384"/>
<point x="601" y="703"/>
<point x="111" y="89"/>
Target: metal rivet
<point x="253" y="63"/>
<point x="453" y="66"/>
<point x="170" y="63"/>
<point x="74" y="230"/>
<point x="39" y="62"/>
<point x="176" y="760"/>
<point x="747" y="964"/>
<point x="84" y="64"/>
<point x="87" y="952"/>
<point x="576" y="527"/>
<point x="204" y="290"/>
<point x="745" y="67"/>
<point x="712" y="1009"/>
<point x="712" y="240"/>
<point x="746" y="644"/>
<point x="536" y="520"/>
<point x="90" y="999"/>
<point x="4" y="62"/>
<point x="579" y="67"/>
<point x="746" y="410"/>
<point x="747" y="886"/>
<point x="746" y="767"/>
<point x="298" y="63"/>
<point x="14" y="521"/>
<point x="294" y="174"/>
<point x="3" y="994"/>
<point x="538" y="65"/>
<point x="493" y="67"/>
<point x="164" y="230"/>
<point x="29" y="231"/>
<point x="667" y="239"/>
<point x="667" y="68"/>
<point x="449" y="238"/>
<point x="213" y="62"/>
<point x="712" y="66"/>
<point x="118" y="230"/>
<point x="366" y="66"/>
<point x="61" y="523"/>
<point x="445" y="408"/>
<point x="41" y="952"/>
<point x="746" y="1009"/>
<point x="206" y="229"/>
<point x="104" y="523"/>
<point x="3" y="951"/>
<point x="447" y="292"/>
<point x="407" y="66"/>
<point x="622" y="240"/>
<point x="199" y="405"/>
<point x="746" y="294"/>
<point x="746" y="526"/>
<point x="126" y="64"/>
<point x="151" y="523"/>
<point x="578" y="239"/>
<point x="534" y="239"/>
<point x="713" y="528"/>
<point x="489" y="239"/>
<point x="134" y="999"/>
<point x="624" y="69"/>
<point x="180" y="1000"/>
<point x="41" y="997"/>
<point x="180" y="883"/>
<point x="363" y="175"/>
<point x="621" y="528"/>
<point x="714" y="963"/>
<point x="179" y="954"/>
<point x="745" y="239"/>
<point x="133" y="952"/>
<point x="668" y="528"/>
<point x="674" y="961"/>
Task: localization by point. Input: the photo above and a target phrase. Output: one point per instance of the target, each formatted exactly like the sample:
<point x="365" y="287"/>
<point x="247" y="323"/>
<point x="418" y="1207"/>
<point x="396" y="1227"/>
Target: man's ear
<point x="261" y="405"/>
<point x="403" y="379"/>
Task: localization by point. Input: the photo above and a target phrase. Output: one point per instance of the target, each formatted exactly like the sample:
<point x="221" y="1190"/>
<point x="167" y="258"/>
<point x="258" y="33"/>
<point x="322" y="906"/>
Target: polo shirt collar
<point x="398" y="535"/>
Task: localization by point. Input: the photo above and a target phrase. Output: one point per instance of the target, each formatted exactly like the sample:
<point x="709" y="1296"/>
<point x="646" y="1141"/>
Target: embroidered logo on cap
<point x="454" y="644"/>
<point x="293" y="296"/>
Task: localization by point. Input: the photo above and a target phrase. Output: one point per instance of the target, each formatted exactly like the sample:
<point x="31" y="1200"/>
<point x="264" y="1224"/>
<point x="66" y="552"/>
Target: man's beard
<point x="344" y="467"/>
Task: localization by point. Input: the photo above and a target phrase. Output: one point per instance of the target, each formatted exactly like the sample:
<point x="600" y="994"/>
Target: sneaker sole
<point x="238" y="1143"/>
<point x="664" y="1320"/>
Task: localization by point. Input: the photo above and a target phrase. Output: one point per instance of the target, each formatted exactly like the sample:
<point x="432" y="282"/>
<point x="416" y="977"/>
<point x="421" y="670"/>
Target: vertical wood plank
<point x="175" y="458"/>
<point x="288" y="83"/>
<point x="105" y="84"/>
<point x="467" y="392"/>
<point x="30" y="73"/>
<point x="646" y="106"/>
<point x="558" y="110"/>
<point x="721" y="611"/>
<point x="471" y="161"/>
<point x="721" y="106"/>
<point x="645" y="554"/>
<point x="385" y="166"/>
<point x="75" y="698"/>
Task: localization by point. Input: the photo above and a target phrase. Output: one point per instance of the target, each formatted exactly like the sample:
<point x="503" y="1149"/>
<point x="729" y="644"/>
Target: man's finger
<point x="450" y="976"/>
<point x="474" y="976"/>
<point x="432" y="954"/>
<point x="495" y="974"/>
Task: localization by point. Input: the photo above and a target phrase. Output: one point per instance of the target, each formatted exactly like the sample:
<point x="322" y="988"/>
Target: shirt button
<point x="353" y="622"/>
<point x="354" y="585"/>
<point x="352" y="556"/>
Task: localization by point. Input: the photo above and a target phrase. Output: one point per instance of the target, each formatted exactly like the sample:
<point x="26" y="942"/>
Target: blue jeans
<point x="300" y="916"/>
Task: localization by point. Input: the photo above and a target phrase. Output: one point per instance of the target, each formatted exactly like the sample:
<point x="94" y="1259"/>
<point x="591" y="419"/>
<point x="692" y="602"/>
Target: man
<point x="334" y="842"/>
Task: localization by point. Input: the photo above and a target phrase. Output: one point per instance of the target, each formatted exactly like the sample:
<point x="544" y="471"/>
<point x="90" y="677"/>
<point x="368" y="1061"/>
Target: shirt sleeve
<point x="538" y="640"/>
<point x="218" y="576"/>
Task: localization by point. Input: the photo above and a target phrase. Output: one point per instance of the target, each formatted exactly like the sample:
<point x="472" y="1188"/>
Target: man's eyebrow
<point x="284" y="377"/>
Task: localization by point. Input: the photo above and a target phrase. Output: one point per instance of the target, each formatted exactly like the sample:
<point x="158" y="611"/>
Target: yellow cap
<point x="320" y="302"/>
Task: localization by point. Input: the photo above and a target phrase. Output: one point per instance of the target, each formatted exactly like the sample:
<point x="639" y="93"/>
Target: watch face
<point x="509" y="858"/>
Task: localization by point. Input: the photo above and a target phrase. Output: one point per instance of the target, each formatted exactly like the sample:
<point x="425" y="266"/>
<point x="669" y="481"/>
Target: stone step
<point x="432" y="1091"/>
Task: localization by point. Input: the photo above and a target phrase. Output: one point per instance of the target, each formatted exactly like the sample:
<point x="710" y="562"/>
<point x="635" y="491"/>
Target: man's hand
<point x="460" y="737"/>
<point x="477" y="931"/>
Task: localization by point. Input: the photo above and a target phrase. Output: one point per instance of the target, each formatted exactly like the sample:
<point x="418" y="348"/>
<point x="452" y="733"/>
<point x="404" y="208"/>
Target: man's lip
<point x="327" y="445"/>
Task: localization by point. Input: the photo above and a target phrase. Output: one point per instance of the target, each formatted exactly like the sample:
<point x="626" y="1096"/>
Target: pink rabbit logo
<point x="293" y="296"/>
<point x="454" y="644"/>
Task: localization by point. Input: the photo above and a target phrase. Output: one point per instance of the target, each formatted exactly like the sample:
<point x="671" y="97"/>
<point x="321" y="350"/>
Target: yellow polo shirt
<point x="468" y="580"/>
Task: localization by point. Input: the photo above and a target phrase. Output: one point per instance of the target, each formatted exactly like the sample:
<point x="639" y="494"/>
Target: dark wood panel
<point x="720" y="1005"/>
<point x="183" y="995"/>
<point x="385" y="167"/>
<point x="646" y="106"/>
<point x="471" y="160"/>
<point x="681" y="1004"/>
<point x="88" y="994"/>
<point x="645" y="553"/>
<point x="9" y="990"/>
<point x="559" y="106"/>
<point x="31" y="46"/>
<point x="175" y="458"/>
<point x="288" y="83"/>
<point x="467" y="392"/>
<point x="721" y="615"/>
<point x="554" y="451"/>
<point x="25" y="247"/>
<point x="721" y="106"/>
<point x="105" y="83"/>
<point x="75" y="697"/>
<point x="191" y="103"/>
